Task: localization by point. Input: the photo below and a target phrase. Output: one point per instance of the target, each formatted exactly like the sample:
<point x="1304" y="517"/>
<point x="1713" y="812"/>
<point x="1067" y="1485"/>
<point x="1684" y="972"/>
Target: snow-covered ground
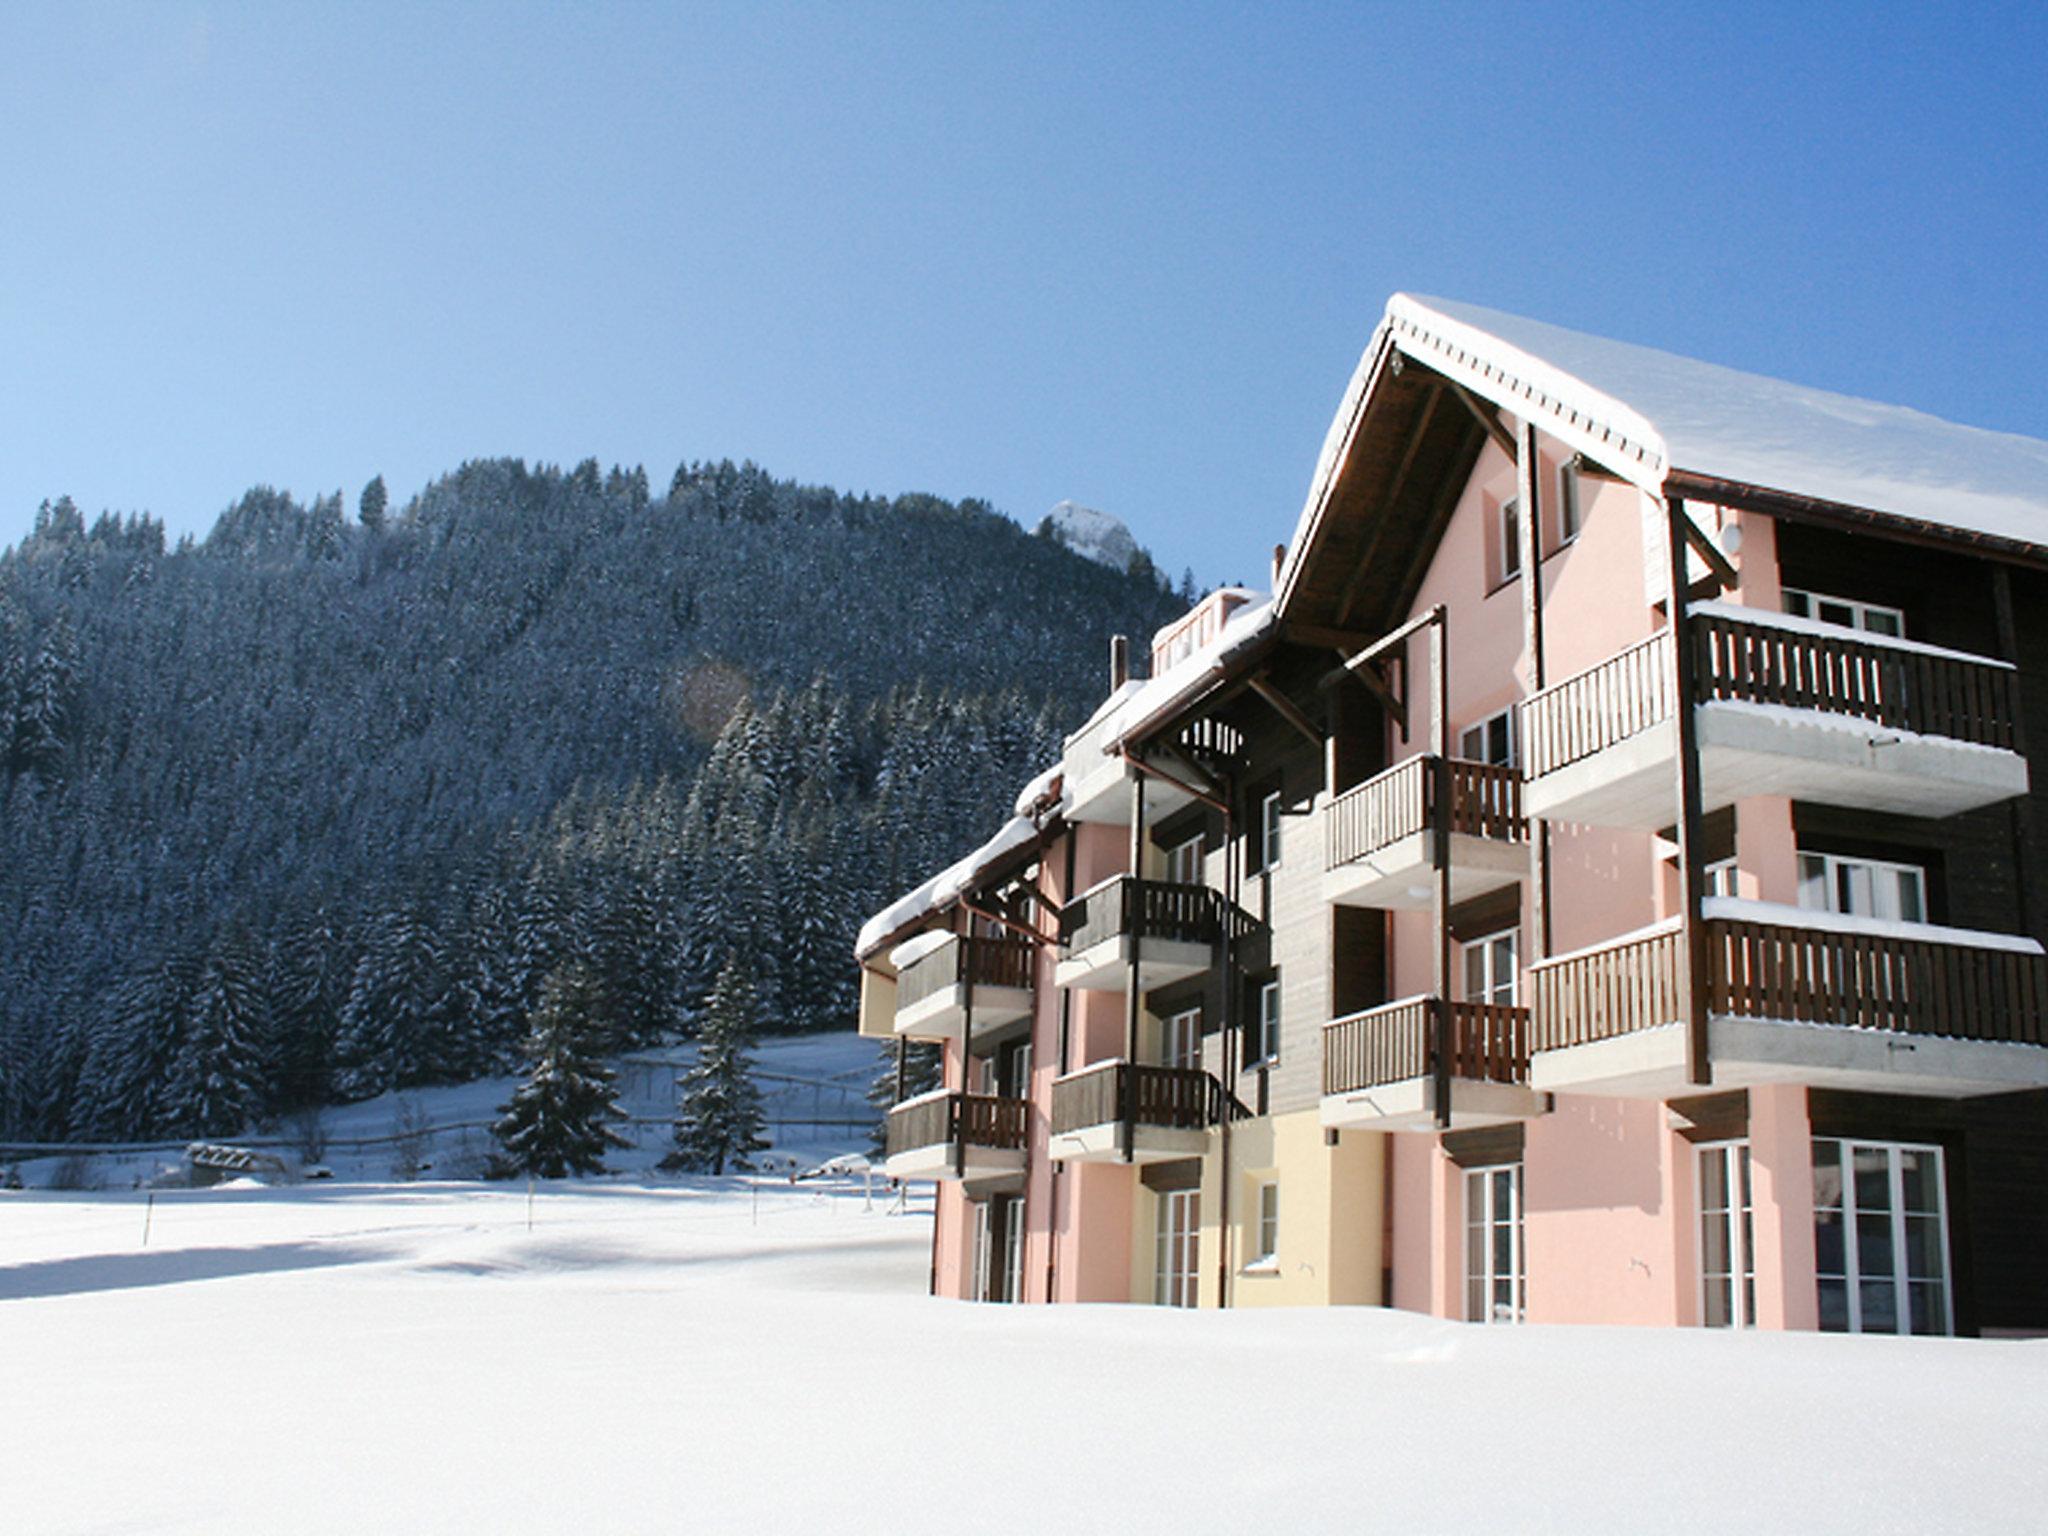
<point x="757" y="1356"/>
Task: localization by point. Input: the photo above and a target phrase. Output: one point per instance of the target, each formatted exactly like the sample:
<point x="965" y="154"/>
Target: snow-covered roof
<point x="948" y="885"/>
<point x="1140" y="706"/>
<point x="1647" y="414"/>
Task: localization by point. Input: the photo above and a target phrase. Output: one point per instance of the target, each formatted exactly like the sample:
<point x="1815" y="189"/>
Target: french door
<point x="1493" y="1244"/>
<point x="1880" y="1230"/>
<point x="1176" y="1245"/>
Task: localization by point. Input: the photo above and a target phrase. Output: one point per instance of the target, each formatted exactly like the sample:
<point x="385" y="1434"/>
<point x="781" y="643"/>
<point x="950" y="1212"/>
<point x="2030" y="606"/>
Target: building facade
<point x="1598" y="884"/>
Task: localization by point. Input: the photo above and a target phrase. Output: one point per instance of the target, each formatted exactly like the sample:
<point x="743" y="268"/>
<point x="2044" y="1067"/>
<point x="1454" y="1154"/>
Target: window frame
<point x="1488" y="1279"/>
<point x="1269" y="831"/>
<point x="1176" y="856"/>
<point x="1738" y="1221"/>
<point x="1805" y="603"/>
<point x="1266" y="1023"/>
<point x="1482" y="728"/>
<point x="1835" y="866"/>
<point x="1487" y="947"/>
<point x="1170" y="1026"/>
<point x="1176" y="1247"/>
<point x="1851" y="1217"/>
<point x="1265" y="1207"/>
<point x="1509" y="529"/>
<point x="1571" y="513"/>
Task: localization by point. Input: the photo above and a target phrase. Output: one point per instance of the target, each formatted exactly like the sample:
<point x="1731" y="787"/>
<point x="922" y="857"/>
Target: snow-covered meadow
<point x="756" y="1355"/>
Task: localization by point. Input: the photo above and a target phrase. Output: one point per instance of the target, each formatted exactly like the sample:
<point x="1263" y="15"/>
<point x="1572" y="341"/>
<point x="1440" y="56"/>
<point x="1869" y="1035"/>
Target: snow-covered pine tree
<point x="560" y="1120"/>
<point x="215" y="1086"/>
<point x="718" y="1114"/>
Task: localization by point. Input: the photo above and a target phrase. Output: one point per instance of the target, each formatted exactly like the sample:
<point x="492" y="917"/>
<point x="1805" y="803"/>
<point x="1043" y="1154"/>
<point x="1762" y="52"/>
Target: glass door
<point x="1493" y="1244"/>
<point x="1177" y="1243"/>
<point x="1880" y="1230"/>
<point x="1182" y="1039"/>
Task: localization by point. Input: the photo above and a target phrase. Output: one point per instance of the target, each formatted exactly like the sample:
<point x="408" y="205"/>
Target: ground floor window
<point x="1179" y="1230"/>
<point x="1727" y="1231"/>
<point x="1493" y="1244"/>
<point x="1880" y="1230"/>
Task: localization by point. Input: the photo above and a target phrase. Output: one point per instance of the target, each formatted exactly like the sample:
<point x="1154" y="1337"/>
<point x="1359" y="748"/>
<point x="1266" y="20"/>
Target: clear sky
<point x="1122" y="253"/>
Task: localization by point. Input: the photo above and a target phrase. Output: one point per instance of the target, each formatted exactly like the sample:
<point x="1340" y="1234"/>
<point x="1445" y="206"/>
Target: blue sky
<point x="1125" y="254"/>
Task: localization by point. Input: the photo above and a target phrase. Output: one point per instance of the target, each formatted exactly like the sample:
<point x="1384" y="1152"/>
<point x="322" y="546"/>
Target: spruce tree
<point x="371" y="508"/>
<point x="559" y="1122"/>
<point x="718" y="1118"/>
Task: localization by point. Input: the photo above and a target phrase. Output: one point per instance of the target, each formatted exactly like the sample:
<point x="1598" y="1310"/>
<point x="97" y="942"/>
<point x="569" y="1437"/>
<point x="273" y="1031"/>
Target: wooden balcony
<point x="967" y="1136"/>
<point x="933" y="991"/>
<point x="1785" y="707"/>
<point x="1380" y="844"/>
<point x="1171" y="1110"/>
<point x="1174" y="930"/>
<point x="1380" y="1067"/>
<point x="1799" y="997"/>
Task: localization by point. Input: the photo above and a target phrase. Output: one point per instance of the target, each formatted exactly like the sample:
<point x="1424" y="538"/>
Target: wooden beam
<point x="1445" y="500"/>
<point x="1285" y="707"/>
<point x="1691" y="840"/>
<point x="1485" y="415"/>
<point x="1326" y="637"/>
<point x="1709" y="551"/>
<point x="1348" y="598"/>
<point x="1529" y="488"/>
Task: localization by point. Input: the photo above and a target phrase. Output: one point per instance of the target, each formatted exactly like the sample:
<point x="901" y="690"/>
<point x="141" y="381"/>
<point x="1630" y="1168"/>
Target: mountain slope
<point x="310" y="806"/>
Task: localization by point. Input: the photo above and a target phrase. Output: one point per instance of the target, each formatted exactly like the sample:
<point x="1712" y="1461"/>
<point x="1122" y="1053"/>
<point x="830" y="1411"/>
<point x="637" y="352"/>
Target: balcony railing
<point x="1780" y="971"/>
<point x="1172" y="1098"/>
<point x="1151" y="909"/>
<point x="1894" y="684"/>
<point x="1486" y="801"/>
<point x="938" y="1120"/>
<point x="997" y="962"/>
<point x="1396" y="1042"/>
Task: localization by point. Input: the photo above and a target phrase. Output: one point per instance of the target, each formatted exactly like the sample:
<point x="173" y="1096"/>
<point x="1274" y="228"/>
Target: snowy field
<point x="755" y="1356"/>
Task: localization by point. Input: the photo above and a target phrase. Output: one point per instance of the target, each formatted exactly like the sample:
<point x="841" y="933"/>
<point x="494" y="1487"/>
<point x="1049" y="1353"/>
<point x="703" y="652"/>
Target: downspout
<point x="1065" y="1052"/>
<point x="1528" y="465"/>
<point x="1133" y="902"/>
<point x="1232" y="1052"/>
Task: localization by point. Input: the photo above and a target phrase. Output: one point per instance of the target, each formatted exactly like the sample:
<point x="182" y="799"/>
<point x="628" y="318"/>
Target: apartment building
<point x="1597" y="884"/>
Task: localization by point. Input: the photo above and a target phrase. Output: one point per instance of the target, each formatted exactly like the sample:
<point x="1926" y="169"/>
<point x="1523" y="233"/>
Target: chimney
<point x="1119" y="661"/>
<point x="1279" y="559"/>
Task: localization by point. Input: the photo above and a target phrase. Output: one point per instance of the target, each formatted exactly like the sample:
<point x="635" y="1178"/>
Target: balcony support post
<point x="2022" y="808"/>
<point x="1529" y="488"/>
<point x="1692" y="948"/>
<point x="966" y="1046"/>
<point x="1134" y="902"/>
<point x="902" y="1066"/>
<point x="1440" y="854"/>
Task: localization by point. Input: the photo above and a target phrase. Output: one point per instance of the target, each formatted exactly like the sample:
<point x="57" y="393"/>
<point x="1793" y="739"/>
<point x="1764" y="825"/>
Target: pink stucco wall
<point x="1609" y="1188"/>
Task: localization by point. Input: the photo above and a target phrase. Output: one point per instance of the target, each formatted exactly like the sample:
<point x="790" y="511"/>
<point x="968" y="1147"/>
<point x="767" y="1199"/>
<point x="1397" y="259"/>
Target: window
<point x="1727" y="1226"/>
<point x="1510" y="539"/>
<point x="1489" y="968"/>
<point x="1863" y="887"/>
<point x="1182" y="1042"/>
<point x="1184" y="862"/>
<point x="1268" y="851"/>
<point x="1262" y="1041"/>
<point x="1492" y="740"/>
<point x="1570" y="515"/>
<point x="1874" y="618"/>
<point x="1880" y="1238"/>
<point x="1266" y="1239"/>
<point x="1493" y="1244"/>
<point x="1176" y="1244"/>
<point x="1719" y="879"/>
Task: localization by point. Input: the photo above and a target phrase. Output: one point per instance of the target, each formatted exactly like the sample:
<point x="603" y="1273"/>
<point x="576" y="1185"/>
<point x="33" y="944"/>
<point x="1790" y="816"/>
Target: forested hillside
<point x="309" y="809"/>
